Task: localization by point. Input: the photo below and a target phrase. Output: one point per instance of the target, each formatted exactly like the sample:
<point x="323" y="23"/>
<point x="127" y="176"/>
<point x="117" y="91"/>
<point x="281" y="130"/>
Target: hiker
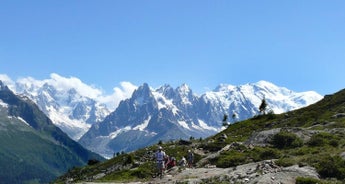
<point x="160" y="156"/>
<point x="190" y="158"/>
<point x="171" y="162"/>
<point x="166" y="160"/>
<point x="182" y="162"/>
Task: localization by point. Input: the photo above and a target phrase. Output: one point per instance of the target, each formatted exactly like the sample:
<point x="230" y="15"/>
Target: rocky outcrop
<point x="263" y="138"/>
<point x="263" y="172"/>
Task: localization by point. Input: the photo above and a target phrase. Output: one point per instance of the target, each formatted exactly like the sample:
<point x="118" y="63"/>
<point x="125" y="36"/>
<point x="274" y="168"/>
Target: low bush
<point x="212" y="147"/>
<point x="285" y="162"/>
<point x="285" y="139"/>
<point x="302" y="180"/>
<point x="260" y="153"/>
<point x="232" y="159"/>
<point x="141" y="173"/>
<point x="322" y="139"/>
<point x="331" y="167"/>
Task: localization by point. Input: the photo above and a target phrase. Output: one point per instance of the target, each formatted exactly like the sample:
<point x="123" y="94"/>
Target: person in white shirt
<point x="183" y="162"/>
<point x="160" y="156"/>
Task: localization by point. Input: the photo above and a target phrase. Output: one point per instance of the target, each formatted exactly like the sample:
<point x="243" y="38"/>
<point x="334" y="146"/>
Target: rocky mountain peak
<point x="143" y="91"/>
<point x="184" y="89"/>
<point x="166" y="90"/>
<point x="2" y="85"/>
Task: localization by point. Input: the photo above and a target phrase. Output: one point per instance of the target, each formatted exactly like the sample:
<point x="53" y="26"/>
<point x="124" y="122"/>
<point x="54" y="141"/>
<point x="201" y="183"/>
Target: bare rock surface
<point x="260" y="172"/>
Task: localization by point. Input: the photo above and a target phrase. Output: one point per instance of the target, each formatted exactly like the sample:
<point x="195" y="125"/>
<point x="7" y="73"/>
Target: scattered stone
<point x="339" y="115"/>
<point x="342" y="155"/>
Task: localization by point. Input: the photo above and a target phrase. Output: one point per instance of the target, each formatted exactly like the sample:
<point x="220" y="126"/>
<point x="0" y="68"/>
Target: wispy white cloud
<point x="63" y="83"/>
<point x="7" y="81"/>
<point x="28" y="83"/>
<point x="5" y="78"/>
<point x="120" y="93"/>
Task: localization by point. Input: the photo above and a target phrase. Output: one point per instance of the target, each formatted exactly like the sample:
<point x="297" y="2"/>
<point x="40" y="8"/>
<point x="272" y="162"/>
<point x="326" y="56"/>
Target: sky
<point x="295" y="44"/>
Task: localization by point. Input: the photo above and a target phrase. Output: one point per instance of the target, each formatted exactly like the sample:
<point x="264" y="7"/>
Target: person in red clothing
<point x="171" y="163"/>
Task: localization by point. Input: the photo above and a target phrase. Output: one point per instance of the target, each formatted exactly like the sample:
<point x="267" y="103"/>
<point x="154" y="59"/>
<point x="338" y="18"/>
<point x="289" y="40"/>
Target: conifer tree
<point x="225" y="120"/>
<point x="234" y="116"/>
<point x="263" y="106"/>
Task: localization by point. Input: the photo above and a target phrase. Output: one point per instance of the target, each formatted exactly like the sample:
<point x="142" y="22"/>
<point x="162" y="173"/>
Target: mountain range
<point x="151" y="115"/>
<point x="165" y="113"/>
<point x="32" y="148"/>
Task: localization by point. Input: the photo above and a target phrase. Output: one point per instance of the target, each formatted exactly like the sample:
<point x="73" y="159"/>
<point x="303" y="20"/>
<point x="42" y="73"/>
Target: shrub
<point x="334" y="143"/>
<point x="331" y="167"/>
<point x="285" y="139"/>
<point x="129" y="159"/>
<point x="302" y="180"/>
<point x="260" y="153"/>
<point x="285" y="162"/>
<point x="305" y="150"/>
<point x="92" y="162"/>
<point x="322" y="139"/>
<point x="215" y="146"/>
<point x="141" y="173"/>
<point x="232" y="159"/>
<point x="269" y="153"/>
<point x="316" y="140"/>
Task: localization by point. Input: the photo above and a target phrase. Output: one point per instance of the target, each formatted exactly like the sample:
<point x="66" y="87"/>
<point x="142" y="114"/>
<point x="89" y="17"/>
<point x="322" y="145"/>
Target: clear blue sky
<point x="296" y="44"/>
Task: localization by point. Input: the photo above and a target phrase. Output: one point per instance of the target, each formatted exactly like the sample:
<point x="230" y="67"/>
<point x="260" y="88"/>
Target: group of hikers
<point x="166" y="162"/>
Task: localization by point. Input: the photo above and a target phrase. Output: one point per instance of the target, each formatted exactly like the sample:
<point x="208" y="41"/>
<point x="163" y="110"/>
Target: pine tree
<point x="234" y="116"/>
<point x="263" y="106"/>
<point x="225" y="120"/>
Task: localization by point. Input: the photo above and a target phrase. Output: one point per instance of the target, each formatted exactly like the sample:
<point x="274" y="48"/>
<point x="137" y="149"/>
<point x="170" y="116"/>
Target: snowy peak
<point x="142" y="95"/>
<point x="224" y="87"/>
<point x="143" y="90"/>
<point x="185" y="95"/>
<point x="184" y="89"/>
<point x="69" y="109"/>
<point x="167" y="91"/>
<point x="249" y="96"/>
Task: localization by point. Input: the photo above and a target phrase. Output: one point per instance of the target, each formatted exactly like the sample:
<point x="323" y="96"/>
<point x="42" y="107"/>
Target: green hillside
<point x="312" y="136"/>
<point x="32" y="149"/>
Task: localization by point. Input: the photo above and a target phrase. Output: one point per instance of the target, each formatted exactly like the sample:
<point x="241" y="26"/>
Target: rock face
<point x="263" y="138"/>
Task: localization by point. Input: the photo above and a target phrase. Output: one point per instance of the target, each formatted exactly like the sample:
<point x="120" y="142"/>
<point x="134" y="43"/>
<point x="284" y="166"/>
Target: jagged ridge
<point x="165" y="114"/>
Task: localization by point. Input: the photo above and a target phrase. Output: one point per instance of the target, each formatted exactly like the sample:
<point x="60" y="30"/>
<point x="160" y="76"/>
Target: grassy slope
<point x="321" y="151"/>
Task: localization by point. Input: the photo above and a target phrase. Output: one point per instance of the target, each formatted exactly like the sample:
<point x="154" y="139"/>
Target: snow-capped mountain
<point x="71" y="104"/>
<point x="32" y="148"/>
<point x="244" y="100"/>
<point x="151" y="115"/>
<point x="71" y="111"/>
